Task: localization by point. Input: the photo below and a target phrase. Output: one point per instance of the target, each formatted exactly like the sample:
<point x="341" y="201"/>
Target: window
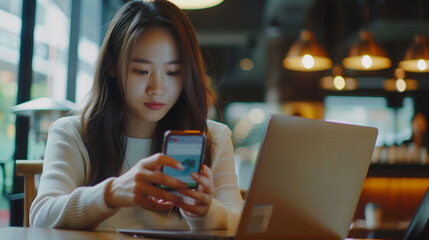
<point x="10" y="30"/>
<point x="51" y="41"/>
<point x="51" y="54"/>
<point x="49" y="67"/>
<point x="50" y="59"/>
<point x="247" y="122"/>
<point x="394" y="124"/>
<point x="88" y="48"/>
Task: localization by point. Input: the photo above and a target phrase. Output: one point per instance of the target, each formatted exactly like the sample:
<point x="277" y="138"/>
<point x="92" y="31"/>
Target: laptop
<point x="419" y="225"/>
<point x="306" y="183"/>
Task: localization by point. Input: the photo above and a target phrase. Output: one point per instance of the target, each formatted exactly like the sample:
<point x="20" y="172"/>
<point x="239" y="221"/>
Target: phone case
<point x="187" y="163"/>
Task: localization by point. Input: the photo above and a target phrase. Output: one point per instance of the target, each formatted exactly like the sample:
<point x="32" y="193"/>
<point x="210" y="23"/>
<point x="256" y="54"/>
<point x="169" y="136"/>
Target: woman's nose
<point x="155" y="85"/>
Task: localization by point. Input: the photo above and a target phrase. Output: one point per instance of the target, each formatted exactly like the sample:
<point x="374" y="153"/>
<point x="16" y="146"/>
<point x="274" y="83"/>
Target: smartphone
<point x="187" y="147"/>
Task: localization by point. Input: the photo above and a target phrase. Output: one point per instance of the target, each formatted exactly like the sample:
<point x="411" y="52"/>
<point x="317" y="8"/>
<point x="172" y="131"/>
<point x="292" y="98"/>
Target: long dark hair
<point x="104" y="116"/>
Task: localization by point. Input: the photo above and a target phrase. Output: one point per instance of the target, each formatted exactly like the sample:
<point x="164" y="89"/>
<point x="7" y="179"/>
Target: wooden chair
<point x="243" y="193"/>
<point x="27" y="169"/>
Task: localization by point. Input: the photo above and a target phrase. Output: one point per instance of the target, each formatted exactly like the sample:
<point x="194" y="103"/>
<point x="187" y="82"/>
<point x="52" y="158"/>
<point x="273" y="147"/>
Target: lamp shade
<point x="196" y="4"/>
<point x="306" y="54"/>
<point x="337" y="81"/>
<point x="416" y="57"/>
<point x="43" y="104"/>
<point x="43" y="112"/>
<point x="366" y="55"/>
<point x="400" y="83"/>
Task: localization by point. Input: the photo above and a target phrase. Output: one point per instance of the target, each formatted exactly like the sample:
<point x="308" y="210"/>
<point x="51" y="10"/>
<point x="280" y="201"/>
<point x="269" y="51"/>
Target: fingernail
<point x="180" y="166"/>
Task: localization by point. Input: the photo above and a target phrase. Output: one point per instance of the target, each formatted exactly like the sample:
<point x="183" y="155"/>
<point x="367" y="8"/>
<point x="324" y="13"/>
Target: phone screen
<point x="189" y="151"/>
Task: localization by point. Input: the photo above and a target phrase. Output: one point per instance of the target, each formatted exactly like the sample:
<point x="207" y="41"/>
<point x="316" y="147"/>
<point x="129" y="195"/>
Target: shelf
<point x="399" y="170"/>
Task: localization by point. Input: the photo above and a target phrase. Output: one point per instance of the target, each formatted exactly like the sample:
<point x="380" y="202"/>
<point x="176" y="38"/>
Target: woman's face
<point x="154" y="80"/>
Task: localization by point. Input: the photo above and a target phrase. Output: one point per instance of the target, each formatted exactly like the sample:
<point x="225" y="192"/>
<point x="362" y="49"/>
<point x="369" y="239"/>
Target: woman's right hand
<point x="136" y="186"/>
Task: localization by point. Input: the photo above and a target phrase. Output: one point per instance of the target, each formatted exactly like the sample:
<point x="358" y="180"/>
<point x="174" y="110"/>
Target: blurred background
<point x="338" y="60"/>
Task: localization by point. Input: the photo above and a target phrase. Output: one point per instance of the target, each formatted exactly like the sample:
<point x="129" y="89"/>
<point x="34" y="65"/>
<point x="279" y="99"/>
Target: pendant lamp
<point x="366" y="54"/>
<point x="196" y="4"/>
<point x="400" y="83"/>
<point x="416" y="57"/>
<point x="306" y="54"/>
<point x="337" y="81"/>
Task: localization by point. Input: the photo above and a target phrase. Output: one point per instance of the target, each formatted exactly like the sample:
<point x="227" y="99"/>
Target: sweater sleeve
<point x="225" y="211"/>
<point x="62" y="199"/>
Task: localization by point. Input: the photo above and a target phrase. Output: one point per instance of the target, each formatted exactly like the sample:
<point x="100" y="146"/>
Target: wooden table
<point x="21" y="233"/>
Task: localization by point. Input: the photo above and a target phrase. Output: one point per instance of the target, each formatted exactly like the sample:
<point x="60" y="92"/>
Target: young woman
<point x="100" y="168"/>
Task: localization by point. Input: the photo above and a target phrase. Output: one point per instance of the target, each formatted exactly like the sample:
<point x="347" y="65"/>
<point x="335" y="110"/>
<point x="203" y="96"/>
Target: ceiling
<point x="265" y="29"/>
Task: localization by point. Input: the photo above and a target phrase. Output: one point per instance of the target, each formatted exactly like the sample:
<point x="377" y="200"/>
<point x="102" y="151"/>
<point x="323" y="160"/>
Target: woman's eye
<point x="140" y="72"/>
<point x="173" y="73"/>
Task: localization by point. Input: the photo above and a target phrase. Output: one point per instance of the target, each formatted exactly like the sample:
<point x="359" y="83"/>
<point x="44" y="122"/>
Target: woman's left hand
<point x="202" y="196"/>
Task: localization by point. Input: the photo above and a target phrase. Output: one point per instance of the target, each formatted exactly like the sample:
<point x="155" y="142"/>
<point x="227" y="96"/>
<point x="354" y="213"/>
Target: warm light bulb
<point x="339" y="83"/>
<point x="366" y="61"/>
<point x="307" y="61"/>
<point x="421" y="65"/>
<point x="196" y="4"/>
<point x="246" y="64"/>
<point x="401" y="85"/>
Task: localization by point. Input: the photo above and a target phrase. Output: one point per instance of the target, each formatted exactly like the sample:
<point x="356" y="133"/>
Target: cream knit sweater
<point x="63" y="200"/>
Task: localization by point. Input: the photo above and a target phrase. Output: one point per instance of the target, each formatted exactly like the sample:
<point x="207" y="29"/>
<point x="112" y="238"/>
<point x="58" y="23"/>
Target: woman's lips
<point x="154" y="105"/>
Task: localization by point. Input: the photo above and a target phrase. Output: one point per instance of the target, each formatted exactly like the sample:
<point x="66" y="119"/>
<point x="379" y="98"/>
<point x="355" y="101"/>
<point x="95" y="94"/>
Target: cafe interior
<point x="363" y="62"/>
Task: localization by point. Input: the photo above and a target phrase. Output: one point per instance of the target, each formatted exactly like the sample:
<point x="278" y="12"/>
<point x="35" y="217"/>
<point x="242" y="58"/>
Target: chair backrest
<point x="27" y="169"/>
<point x="243" y="193"/>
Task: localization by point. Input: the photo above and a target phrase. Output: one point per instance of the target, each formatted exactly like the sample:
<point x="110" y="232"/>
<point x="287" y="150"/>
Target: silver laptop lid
<point x="307" y="180"/>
